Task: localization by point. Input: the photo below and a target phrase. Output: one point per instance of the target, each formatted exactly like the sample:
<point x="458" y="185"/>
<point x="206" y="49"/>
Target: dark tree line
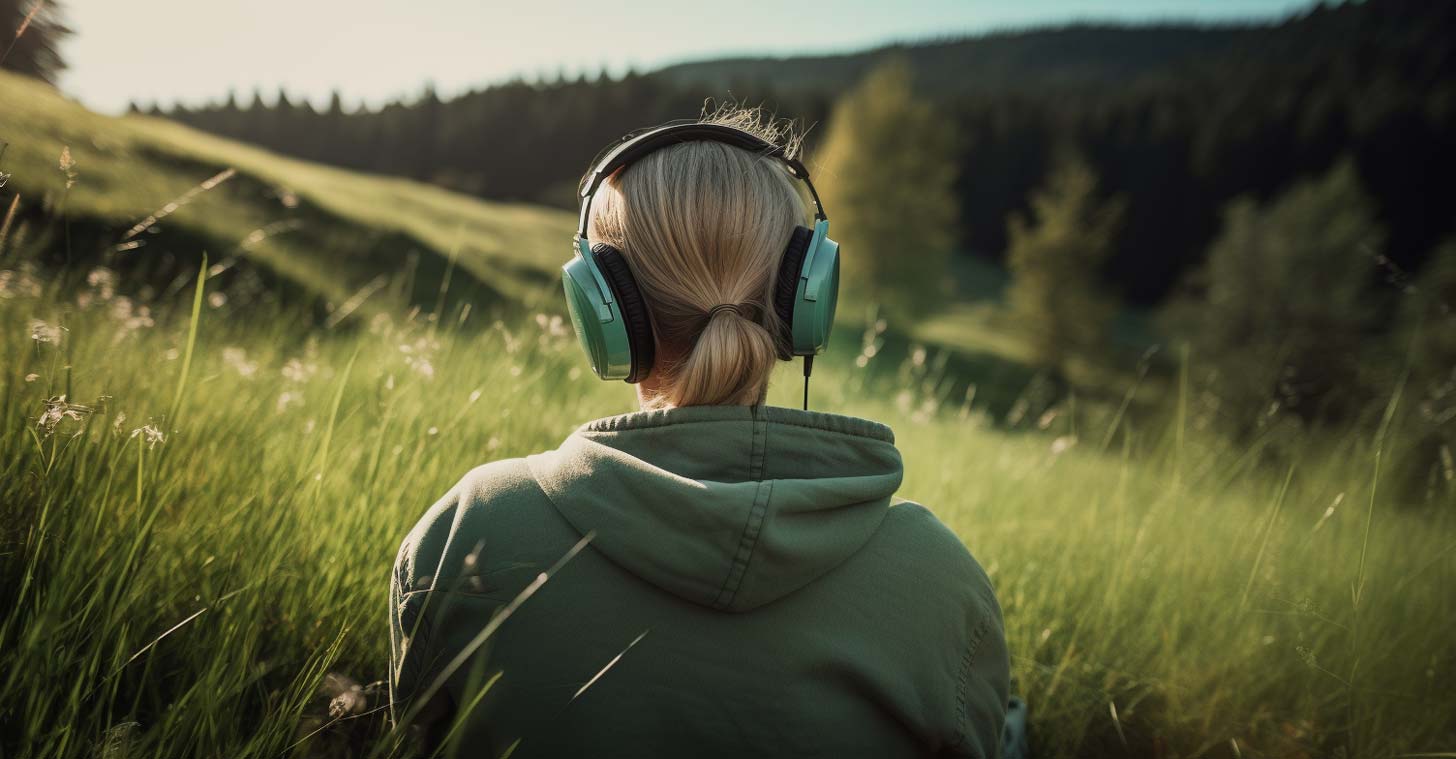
<point x="30" y="32"/>
<point x="1177" y="121"/>
<point x="517" y="141"/>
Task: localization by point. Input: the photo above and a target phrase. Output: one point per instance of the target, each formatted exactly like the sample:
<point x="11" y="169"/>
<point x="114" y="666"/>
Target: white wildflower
<point x="150" y="434"/>
<point x="21" y="283"/>
<point x="56" y="411"/>
<point x="129" y="316"/>
<point x="1063" y="444"/>
<point x="101" y="278"/>
<point x="288" y="399"/>
<point x="237" y="359"/>
<point x="32" y="377"/>
<point x="102" y="282"/>
<point x="297" y="371"/>
<point x="217" y="299"/>
<point x="42" y="332"/>
<point x="551" y="326"/>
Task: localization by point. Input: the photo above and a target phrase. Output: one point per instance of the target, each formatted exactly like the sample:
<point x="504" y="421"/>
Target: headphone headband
<point x="634" y="145"/>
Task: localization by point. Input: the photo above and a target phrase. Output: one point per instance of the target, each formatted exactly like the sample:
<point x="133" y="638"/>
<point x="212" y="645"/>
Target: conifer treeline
<point x="31" y="32"/>
<point x="516" y="141"/>
<point x="1373" y="81"/>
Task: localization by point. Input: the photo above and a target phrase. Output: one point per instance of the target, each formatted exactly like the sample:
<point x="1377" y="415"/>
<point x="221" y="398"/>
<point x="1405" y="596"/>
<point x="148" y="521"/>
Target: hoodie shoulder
<point x="460" y="522"/>
<point x="919" y="536"/>
<point x="982" y="684"/>
<point x="935" y="542"/>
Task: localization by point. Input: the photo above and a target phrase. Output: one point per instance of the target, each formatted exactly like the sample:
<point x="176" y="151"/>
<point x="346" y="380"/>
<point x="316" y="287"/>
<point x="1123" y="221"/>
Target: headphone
<point x="607" y="309"/>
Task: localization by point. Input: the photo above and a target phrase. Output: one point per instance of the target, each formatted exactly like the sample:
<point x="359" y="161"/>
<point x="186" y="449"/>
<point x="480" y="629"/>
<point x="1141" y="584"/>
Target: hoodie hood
<point x="731" y="507"/>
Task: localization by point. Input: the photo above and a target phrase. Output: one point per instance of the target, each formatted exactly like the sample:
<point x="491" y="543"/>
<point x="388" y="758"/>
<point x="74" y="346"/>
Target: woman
<point x="722" y="578"/>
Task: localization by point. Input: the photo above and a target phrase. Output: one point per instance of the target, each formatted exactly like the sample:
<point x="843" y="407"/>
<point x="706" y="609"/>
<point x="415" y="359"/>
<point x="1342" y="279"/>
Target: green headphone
<point x="607" y="309"/>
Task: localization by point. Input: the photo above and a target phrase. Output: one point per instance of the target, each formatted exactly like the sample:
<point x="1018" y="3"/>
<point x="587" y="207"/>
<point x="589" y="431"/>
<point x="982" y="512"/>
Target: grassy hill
<point x="329" y="231"/>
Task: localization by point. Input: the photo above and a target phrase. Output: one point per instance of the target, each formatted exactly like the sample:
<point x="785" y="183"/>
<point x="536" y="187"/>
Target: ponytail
<point x="729" y="363"/>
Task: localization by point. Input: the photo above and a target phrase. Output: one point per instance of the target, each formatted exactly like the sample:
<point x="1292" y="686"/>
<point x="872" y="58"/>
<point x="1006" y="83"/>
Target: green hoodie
<point x="747" y="588"/>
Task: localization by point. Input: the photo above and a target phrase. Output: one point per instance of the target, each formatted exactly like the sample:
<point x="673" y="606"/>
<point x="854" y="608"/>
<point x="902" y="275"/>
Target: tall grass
<point x="194" y="558"/>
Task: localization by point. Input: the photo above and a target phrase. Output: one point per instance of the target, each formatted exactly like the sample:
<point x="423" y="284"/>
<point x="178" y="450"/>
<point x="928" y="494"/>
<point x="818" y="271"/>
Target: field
<point x="197" y="537"/>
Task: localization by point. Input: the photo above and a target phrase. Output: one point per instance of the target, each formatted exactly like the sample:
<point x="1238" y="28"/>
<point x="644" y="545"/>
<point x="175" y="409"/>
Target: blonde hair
<point x="703" y="224"/>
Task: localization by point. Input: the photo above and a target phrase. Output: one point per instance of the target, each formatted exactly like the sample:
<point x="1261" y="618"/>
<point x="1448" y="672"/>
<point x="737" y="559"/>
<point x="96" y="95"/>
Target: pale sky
<point x="375" y="50"/>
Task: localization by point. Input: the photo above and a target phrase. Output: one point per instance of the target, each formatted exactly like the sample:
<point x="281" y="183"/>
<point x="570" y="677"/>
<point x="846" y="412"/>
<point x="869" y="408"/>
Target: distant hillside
<point x="321" y="231"/>
<point x="1072" y="58"/>
<point x="1177" y="120"/>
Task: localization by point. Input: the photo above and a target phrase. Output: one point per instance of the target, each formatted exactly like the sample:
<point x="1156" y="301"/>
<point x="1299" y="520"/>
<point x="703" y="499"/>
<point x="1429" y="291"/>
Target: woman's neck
<point x="651" y="398"/>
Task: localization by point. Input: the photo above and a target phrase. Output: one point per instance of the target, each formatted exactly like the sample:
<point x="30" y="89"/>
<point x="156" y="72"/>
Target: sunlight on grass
<point x="186" y="584"/>
<point x="128" y="167"/>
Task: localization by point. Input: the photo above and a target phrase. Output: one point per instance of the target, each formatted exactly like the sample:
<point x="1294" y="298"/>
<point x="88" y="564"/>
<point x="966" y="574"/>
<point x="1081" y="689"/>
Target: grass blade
<point x="191" y="341"/>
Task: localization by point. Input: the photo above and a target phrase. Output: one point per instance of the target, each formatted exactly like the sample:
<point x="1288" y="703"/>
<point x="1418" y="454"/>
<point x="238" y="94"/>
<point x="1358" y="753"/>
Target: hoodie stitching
<point x="751" y="530"/>
<point x="753" y="526"/>
<point x="963" y="683"/>
<point x="588" y="431"/>
<point x="757" y="449"/>
<point x="836" y="423"/>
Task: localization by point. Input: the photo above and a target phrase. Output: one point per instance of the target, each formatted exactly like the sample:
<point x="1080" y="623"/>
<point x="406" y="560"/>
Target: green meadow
<point x="203" y="492"/>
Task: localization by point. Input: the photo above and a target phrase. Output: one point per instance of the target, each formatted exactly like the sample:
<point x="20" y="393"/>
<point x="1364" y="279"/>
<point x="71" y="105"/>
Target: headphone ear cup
<point x="632" y="306"/>
<point x="786" y="287"/>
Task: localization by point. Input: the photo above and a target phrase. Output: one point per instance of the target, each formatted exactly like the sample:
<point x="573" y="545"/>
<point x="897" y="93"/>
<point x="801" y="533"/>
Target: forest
<point x="1177" y="120"/>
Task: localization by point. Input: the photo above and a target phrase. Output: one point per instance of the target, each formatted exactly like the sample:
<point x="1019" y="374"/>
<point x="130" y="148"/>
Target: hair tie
<point x="723" y="307"/>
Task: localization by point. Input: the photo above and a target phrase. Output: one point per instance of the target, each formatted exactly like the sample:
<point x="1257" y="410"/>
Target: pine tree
<point x="887" y="175"/>
<point x="1287" y="303"/>
<point x="30" y="35"/>
<point x="1055" y="261"/>
<point x="1427" y="465"/>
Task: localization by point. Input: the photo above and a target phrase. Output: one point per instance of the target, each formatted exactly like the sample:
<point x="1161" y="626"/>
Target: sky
<point x="373" y="51"/>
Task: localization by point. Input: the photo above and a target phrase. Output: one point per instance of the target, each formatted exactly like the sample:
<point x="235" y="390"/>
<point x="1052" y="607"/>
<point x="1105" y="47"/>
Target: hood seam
<point x="840" y="424"/>
<point x="753" y="526"/>
<point x="752" y="529"/>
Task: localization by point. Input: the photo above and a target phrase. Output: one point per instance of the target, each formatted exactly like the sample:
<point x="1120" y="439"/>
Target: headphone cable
<point x="808" y="367"/>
